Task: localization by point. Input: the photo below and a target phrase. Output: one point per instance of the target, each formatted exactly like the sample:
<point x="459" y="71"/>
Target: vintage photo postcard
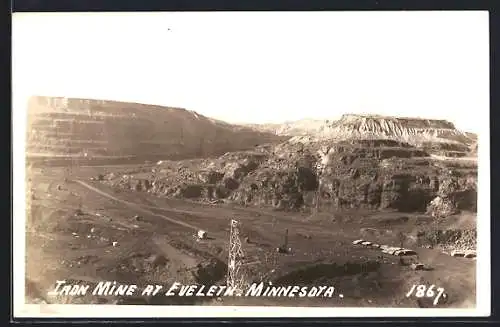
<point x="245" y="164"/>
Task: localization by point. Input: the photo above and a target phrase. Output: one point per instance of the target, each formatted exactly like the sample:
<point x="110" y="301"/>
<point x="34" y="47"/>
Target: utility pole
<point x="234" y="276"/>
<point x="285" y="244"/>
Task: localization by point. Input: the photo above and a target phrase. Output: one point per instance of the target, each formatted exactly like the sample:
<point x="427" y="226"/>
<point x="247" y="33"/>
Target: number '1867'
<point x="424" y="291"/>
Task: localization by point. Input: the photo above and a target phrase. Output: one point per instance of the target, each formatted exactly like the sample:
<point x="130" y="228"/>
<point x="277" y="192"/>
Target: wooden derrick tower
<point x="235" y="277"/>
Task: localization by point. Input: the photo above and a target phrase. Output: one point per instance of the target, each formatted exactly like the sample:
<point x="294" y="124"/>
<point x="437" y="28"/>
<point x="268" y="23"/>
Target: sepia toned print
<point x="130" y="203"/>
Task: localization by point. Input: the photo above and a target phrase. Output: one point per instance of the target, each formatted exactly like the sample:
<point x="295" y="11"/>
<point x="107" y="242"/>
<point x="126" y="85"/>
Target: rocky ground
<point x="76" y="233"/>
<point x="409" y="183"/>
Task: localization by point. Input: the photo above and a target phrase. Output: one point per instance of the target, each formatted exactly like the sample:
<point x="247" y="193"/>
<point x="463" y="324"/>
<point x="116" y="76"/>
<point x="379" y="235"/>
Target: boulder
<point x="405" y="252"/>
<point x="470" y="254"/>
<point x="417" y="266"/>
<point x="458" y="254"/>
<point x="202" y="234"/>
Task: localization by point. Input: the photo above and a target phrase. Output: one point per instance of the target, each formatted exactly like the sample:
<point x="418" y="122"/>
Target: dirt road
<point x="136" y="206"/>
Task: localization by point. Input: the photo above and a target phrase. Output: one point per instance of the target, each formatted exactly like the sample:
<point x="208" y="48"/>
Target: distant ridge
<point x="415" y="131"/>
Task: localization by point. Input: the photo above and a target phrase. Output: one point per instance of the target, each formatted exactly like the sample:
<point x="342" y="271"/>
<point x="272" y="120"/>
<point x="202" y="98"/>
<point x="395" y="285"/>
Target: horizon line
<point x="317" y="119"/>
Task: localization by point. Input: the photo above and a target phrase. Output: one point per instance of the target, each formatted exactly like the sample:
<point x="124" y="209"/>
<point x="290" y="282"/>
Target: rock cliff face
<point x="359" y="176"/>
<point x="364" y="174"/>
<point x="61" y="127"/>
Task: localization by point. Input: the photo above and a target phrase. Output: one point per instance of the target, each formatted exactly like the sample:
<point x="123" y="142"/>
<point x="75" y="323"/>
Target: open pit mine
<point x="144" y="194"/>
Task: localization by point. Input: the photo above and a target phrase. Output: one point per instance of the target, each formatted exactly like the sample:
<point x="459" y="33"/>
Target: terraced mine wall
<point x="107" y="130"/>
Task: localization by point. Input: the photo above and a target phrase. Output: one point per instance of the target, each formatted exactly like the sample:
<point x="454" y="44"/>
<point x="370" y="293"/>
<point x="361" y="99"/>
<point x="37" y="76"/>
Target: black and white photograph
<point x="251" y="164"/>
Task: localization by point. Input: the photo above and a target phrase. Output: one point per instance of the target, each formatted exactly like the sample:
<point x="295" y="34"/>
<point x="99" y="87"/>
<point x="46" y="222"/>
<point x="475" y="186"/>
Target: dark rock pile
<point x="450" y="239"/>
<point x="371" y="174"/>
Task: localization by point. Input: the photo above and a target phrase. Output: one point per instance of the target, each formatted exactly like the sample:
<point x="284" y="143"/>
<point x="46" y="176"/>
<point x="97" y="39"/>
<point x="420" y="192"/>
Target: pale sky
<point x="262" y="67"/>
